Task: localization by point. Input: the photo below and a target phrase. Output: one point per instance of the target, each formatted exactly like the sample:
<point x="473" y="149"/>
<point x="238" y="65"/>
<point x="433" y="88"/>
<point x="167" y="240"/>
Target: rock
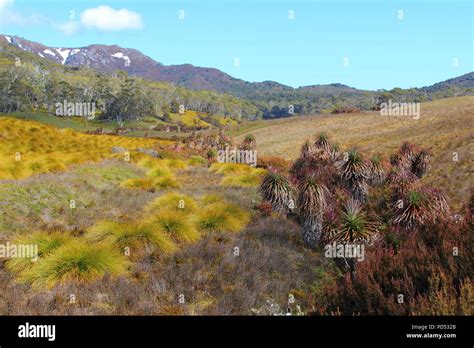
<point x="118" y="149"/>
<point x="149" y="152"/>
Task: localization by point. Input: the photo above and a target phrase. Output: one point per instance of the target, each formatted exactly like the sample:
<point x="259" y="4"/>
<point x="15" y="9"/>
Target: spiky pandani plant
<point x="421" y="163"/>
<point x="377" y="173"/>
<point x="312" y="202"/>
<point x="306" y="150"/>
<point x="276" y="189"/>
<point x="418" y="207"/>
<point x="354" y="225"/>
<point x="248" y="143"/>
<point x="313" y="162"/>
<point x="250" y="139"/>
<point x="323" y="142"/>
<point x="404" y="156"/>
<point x="411" y="158"/>
<point x="335" y="152"/>
<point x="401" y="181"/>
<point x="353" y="174"/>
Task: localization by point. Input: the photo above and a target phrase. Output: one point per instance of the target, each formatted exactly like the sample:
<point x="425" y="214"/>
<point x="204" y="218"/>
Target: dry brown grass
<point x="445" y="126"/>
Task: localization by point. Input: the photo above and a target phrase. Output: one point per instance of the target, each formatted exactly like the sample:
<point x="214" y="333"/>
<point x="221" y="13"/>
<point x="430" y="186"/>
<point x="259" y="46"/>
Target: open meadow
<point x="445" y="128"/>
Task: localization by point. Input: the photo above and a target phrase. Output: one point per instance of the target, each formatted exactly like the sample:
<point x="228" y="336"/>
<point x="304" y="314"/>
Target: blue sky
<point x="428" y="42"/>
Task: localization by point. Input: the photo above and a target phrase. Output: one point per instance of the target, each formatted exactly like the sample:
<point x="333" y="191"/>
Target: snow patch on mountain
<point x="48" y="51"/>
<point x="74" y="51"/>
<point x="9" y="39"/>
<point x="63" y="53"/>
<point x="122" y="56"/>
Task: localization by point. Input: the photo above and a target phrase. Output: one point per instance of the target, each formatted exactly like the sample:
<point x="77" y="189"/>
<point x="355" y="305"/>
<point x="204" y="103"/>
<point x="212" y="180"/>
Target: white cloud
<point x="68" y="28"/>
<point x="5" y="3"/>
<point x="10" y="16"/>
<point x="106" y="18"/>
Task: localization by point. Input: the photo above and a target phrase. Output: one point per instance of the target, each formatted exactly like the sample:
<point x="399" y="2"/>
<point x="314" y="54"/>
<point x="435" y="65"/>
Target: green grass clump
<point x="76" y="261"/>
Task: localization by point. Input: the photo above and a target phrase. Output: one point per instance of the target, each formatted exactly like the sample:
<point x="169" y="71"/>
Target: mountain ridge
<point x="273" y="99"/>
<point x="107" y="58"/>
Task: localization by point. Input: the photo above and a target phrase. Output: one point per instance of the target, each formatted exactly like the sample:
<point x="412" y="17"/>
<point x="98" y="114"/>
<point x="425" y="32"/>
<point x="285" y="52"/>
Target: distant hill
<point x="106" y="58"/>
<point x="464" y="81"/>
<point x="273" y="99"/>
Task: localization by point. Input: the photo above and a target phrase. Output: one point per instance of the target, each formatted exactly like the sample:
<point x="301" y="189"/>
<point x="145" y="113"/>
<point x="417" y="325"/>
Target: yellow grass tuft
<point x="251" y="179"/>
<point x="75" y="261"/>
<point x="28" y="147"/>
<point x="222" y="217"/>
<point x="178" y="225"/>
<point x="174" y="201"/>
<point x="139" y="237"/>
<point x="197" y="161"/>
<point x="45" y="243"/>
<point x="230" y="168"/>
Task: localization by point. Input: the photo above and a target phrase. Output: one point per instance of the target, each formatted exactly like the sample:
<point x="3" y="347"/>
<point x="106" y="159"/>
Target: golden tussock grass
<point x="28" y="148"/>
<point x="45" y="242"/>
<point x="238" y="174"/>
<point x="174" y="201"/>
<point x="139" y="237"/>
<point x="75" y="261"/>
<point x="176" y="224"/>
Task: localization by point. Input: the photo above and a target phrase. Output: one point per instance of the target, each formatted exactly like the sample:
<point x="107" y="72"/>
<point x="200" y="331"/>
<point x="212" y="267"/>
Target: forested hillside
<point x="112" y="76"/>
<point x="30" y="83"/>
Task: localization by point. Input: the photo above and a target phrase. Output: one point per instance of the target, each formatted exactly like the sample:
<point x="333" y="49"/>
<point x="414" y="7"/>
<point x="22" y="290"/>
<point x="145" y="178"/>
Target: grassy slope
<point x="445" y="126"/>
<point x="189" y="118"/>
<point x="43" y="148"/>
<point x="212" y="278"/>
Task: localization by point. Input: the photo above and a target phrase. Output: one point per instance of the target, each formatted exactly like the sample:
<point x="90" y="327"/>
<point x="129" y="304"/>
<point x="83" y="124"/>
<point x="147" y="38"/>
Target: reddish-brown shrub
<point x="273" y="163"/>
<point x="265" y="208"/>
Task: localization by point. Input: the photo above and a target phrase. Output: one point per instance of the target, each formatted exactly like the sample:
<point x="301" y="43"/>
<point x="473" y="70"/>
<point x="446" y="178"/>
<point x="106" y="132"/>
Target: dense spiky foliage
<point x="353" y="174"/>
<point x="248" y="143"/>
<point x="432" y="268"/>
<point x="354" y="226"/>
<point x="402" y="182"/>
<point x="318" y="163"/>
<point x="276" y="189"/>
<point x="306" y="150"/>
<point x="377" y="172"/>
<point x="335" y="152"/>
<point x="412" y="159"/>
<point x="323" y="142"/>
<point x="312" y="202"/>
<point x="418" y="207"/>
<point x="421" y="163"/>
